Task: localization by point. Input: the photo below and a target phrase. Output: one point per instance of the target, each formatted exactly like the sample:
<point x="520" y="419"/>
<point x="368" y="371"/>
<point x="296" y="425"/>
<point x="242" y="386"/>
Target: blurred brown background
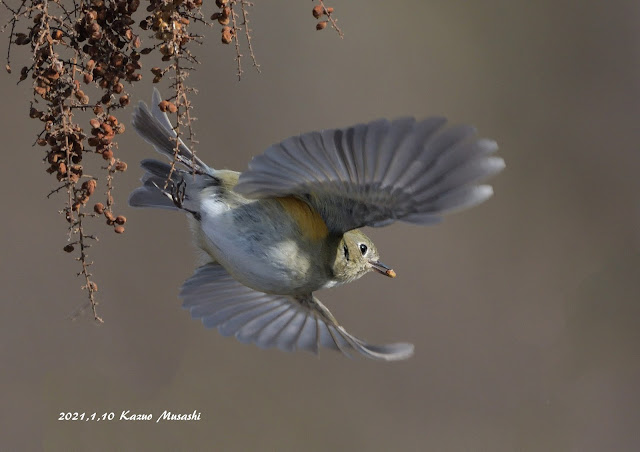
<point x="524" y="311"/>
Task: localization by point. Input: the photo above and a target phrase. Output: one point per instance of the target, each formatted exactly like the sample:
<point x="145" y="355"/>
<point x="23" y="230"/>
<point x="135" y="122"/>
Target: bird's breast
<point x="272" y="245"/>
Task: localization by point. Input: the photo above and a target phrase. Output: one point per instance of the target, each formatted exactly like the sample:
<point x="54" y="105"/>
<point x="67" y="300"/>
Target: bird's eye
<point x="363" y="249"/>
<point x="346" y="252"/>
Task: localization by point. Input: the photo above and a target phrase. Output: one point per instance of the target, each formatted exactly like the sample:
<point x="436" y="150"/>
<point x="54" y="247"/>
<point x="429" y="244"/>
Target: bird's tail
<point x="154" y="126"/>
<point x="163" y="187"/>
<point x="161" y="191"/>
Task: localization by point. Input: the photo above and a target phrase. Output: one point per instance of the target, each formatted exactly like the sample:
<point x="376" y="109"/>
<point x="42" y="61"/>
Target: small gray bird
<point x="273" y="235"/>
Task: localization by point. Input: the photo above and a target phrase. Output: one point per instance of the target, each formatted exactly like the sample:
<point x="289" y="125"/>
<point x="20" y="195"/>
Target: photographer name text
<point x="128" y="415"/>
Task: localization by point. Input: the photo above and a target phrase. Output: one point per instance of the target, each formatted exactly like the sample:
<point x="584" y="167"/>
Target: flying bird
<point x="288" y="226"/>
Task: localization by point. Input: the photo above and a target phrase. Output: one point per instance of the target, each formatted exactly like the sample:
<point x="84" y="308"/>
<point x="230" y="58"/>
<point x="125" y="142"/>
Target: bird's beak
<point x="381" y="268"/>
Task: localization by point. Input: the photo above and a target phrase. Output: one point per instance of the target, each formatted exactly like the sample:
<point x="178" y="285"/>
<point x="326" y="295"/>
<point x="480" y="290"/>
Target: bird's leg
<point x="178" y="194"/>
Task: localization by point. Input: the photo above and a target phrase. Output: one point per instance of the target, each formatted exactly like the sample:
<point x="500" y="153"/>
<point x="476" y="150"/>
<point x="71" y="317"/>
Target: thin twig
<point x="235" y="39"/>
<point x="247" y="31"/>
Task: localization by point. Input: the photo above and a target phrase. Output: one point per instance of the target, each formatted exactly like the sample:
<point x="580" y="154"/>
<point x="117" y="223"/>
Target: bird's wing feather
<point x="376" y="173"/>
<point x="266" y="320"/>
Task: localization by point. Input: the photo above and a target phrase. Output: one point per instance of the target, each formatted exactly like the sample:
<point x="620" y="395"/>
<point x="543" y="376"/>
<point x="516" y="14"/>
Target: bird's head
<point x="355" y="256"/>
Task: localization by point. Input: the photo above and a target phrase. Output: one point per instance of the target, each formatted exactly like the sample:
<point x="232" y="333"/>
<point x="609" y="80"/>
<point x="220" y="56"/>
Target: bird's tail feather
<point x="154" y="126"/>
<point x="153" y="192"/>
<point x="164" y="187"/>
<point x="178" y="192"/>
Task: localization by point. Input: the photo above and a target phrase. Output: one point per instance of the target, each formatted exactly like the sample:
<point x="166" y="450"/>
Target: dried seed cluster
<point x="169" y="21"/>
<point x="75" y="46"/>
<point x="111" y="46"/>
<point x="321" y="10"/>
<point x="103" y="130"/>
<point x="65" y="152"/>
<point x="223" y="16"/>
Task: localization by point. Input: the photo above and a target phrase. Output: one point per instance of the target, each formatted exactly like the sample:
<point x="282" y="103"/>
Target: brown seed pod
<point x="227" y="35"/>
<point x="98" y="208"/>
<point x="172" y="107"/>
<point x="121" y="166"/>
<point x="107" y="154"/>
<point x="119" y="128"/>
<point x="124" y="100"/>
<point x="109" y="215"/>
<point x="121" y="219"/>
<point x="321" y="25"/>
<point x="163" y="105"/>
<point x="95" y="124"/>
<point x="89" y="186"/>
<point x="22" y="39"/>
<point x="68" y="248"/>
<point x="317" y="11"/>
<point x="119" y="229"/>
<point x="166" y="50"/>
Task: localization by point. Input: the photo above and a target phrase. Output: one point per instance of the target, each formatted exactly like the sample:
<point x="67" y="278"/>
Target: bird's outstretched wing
<point x="376" y="173"/>
<point x="266" y="320"/>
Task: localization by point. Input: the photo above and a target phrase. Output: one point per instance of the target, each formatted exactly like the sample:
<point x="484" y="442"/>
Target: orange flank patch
<point x="309" y="221"/>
